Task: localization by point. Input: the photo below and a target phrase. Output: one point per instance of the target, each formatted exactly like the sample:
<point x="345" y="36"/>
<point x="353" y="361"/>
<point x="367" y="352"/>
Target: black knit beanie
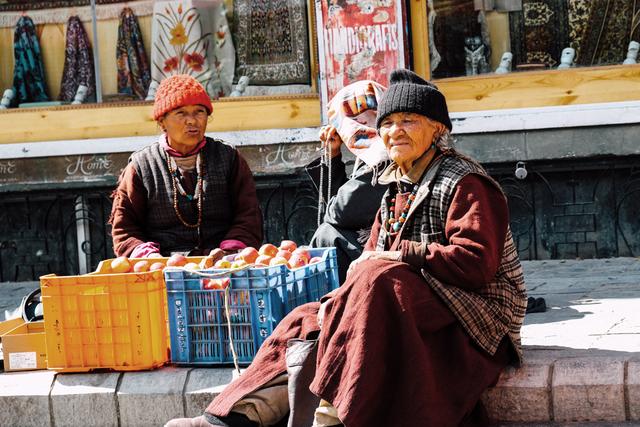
<point x="410" y="93"/>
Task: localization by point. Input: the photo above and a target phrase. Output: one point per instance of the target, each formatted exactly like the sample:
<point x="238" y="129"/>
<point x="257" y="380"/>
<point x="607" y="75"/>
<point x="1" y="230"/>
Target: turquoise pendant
<point x="396" y="226"/>
<point x="190" y="197"/>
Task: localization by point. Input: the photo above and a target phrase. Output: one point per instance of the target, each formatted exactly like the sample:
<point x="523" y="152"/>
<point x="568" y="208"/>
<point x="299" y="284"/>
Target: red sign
<point x="358" y="40"/>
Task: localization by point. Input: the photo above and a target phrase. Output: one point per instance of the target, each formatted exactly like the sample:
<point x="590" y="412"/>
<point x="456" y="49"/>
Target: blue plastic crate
<point x="258" y="299"/>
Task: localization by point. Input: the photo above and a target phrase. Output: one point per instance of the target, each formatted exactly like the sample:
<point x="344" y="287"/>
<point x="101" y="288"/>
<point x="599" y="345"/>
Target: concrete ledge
<point x="24" y="398"/>
<point x="556" y="386"/>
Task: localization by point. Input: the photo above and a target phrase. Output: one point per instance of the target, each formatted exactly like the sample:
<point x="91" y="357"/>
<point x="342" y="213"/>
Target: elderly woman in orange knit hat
<point x="185" y="193"/>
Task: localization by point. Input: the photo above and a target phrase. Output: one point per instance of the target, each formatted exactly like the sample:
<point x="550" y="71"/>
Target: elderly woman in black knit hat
<point x="429" y="315"/>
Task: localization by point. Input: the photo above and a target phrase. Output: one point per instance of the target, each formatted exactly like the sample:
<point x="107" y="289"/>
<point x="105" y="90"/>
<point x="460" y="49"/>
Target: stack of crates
<point x="103" y="320"/>
<point x="257" y="299"/>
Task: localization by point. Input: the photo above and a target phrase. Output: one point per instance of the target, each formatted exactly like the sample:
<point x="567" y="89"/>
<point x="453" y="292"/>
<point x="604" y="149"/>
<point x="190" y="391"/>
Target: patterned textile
<point x="352" y="111"/>
<point x="132" y="63"/>
<point x="28" y="72"/>
<point x="78" y="62"/>
<point x="539" y="32"/>
<point x="192" y="37"/>
<point x="600" y="30"/>
<point x="455" y="21"/>
<point x="493" y="312"/>
<point x="271" y="41"/>
<point x="21" y="5"/>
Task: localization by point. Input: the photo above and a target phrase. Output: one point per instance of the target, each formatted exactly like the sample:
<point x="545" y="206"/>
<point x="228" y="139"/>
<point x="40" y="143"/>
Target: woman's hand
<point x="321" y="311"/>
<point x="367" y="255"/>
<point x="329" y="136"/>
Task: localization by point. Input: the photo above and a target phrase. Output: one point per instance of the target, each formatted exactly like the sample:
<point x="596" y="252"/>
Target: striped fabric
<point x="499" y="308"/>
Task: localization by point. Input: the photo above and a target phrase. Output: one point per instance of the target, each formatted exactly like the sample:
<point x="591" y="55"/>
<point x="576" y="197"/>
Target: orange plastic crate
<point x="105" y="321"/>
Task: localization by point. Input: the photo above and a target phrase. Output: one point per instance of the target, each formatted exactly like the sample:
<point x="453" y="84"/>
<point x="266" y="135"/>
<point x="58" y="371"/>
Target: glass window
<point x="472" y="37"/>
<point x="233" y="47"/>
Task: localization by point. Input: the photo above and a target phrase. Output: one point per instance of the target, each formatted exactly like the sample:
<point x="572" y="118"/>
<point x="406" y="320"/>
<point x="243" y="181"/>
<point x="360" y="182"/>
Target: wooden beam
<point x="542" y="88"/>
<point x="420" y="37"/>
<point x="135" y="119"/>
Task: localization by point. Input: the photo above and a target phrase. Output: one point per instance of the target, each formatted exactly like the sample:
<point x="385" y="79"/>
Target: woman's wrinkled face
<point x="407" y="136"/>
<point x="185" y="126"/>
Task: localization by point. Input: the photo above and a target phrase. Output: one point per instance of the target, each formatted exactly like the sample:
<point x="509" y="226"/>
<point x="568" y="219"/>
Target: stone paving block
<point x="85" y="399"/>
<point x="202" y="386"/>
<point x="520" y="395"/>
<point x="24" y="398"/>
<point x="633" y="389"/>
<point x="151" y="398"/>
<point x="588" y="389"/>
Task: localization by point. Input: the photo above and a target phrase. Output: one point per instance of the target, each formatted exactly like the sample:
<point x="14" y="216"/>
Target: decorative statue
<point x="566" y="59"/>
<point x="505" y="63"/>
<point x="151" y="94"/>
<point x="81" y="94"/>
<point x="7" y="97"/>
<point x="632" y="53"/>
<point x="243" y="82"/>
<point x="474" y="55"/>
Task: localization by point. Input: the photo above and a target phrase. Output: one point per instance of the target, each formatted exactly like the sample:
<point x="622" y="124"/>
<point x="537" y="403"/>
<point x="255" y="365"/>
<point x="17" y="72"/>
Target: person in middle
<point x="354" y="200"/>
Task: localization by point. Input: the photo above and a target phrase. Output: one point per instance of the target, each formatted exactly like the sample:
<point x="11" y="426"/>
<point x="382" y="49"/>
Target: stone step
<point x="578" y="387"/>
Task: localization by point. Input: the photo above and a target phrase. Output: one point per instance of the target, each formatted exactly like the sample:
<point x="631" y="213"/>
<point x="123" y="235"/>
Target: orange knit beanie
<point x="178" y="91"/>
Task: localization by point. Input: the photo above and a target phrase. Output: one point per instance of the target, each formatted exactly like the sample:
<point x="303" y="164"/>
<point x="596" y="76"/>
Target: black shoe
<point x="234" y="419"/>
<point x="536" y="305"/>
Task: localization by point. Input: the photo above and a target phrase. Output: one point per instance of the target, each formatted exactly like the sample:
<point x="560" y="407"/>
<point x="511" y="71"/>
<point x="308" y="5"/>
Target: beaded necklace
<point x="177" y="188"/>
<point x="393" y="225"/>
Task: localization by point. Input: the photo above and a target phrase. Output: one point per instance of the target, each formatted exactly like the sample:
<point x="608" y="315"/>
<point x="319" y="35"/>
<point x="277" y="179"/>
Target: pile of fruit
<point x="288" y="253"/>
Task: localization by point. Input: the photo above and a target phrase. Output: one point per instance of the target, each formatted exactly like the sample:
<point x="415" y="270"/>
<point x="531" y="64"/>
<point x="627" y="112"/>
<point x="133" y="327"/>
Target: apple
<point x="207" y="262"/>
<point x="263" y="260"/>
<point x="230" y="257"/>
<point x="177" y="260"/>
<point x="288" y="245"/>
<point x="239" y="263"/>
<point x="268" y="249"/>
<point x="222" y="283"/>
<point x="192" y="266"/>
<point x="315" y="259"/>
<point x="297" y="260"/>
<point x="222" y="263"/>
<point x="120" y="265"/>
<point x="278" y="260"/>
<point x="141" y="266"/>
<point x="156" y="266"/>
<point x="248" y="254"/>
<point x="303" y="252"/>
<point x="284" y="254"/>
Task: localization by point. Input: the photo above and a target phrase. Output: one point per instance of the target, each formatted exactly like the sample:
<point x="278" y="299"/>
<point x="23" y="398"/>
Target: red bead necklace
<point x="393" y="225"/>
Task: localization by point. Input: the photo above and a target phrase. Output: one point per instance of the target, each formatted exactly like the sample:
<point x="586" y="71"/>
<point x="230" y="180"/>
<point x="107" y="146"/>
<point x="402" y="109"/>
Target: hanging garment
<point x="132" y="62"/>
<point x="78" y="62"/>
<point x="28" y="72"/>
<point x="271" y="39"/>
<point x="192" y="37"/>
<point x="600" y="30"/>
<point x="539" y="32"/>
